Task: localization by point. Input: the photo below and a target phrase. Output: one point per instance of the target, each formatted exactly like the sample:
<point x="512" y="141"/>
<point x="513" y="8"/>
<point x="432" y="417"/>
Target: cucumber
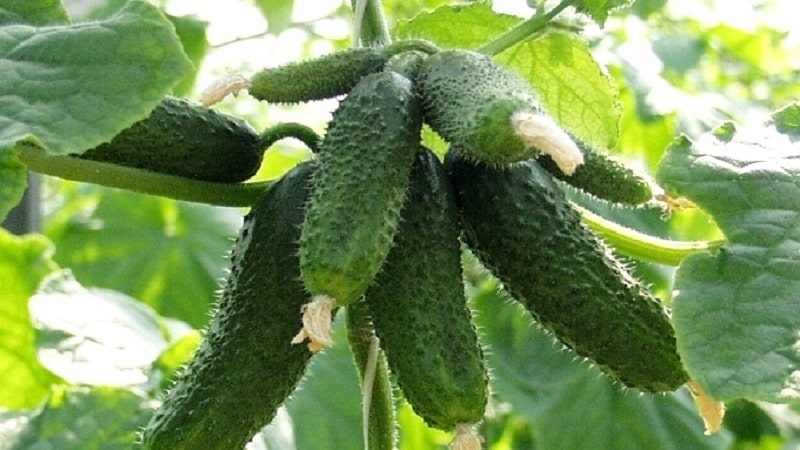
<point x="183" y="139"/>
<point x="327" y="76"/>
<point x="364" y="165"/>
<point x="603" y="177"/>
<point x="519" y="224"/>
<point x="419" y="309"/>
<point x="245" y="367"/>
<point x="489" y="112"/>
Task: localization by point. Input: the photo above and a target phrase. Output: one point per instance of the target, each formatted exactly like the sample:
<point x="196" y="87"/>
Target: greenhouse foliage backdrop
<point x="130" y="278"/>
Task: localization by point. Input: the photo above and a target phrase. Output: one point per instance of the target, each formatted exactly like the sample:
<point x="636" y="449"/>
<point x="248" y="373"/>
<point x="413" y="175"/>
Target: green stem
<point x="290" y="130"/>
<point x="379" y="418"/>
<point x="142" y="181"/>
<point x="522" y="31"/>
<point x="374" y="32"/>
<point x="642" y="246"/>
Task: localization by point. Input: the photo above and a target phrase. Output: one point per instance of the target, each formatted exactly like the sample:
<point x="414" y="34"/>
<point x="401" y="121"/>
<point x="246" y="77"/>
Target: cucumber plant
<point x="377" y="224"/>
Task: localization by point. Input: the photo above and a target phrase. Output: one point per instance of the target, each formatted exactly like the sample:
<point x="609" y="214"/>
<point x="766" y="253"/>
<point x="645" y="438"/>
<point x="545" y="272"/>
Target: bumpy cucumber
<point x="521" y="227"/>
<point x="603" y="177"/>
<point x="489" y="112"/>
<point x="365" y="161"/>
<point x="419" y="309"/>
<point x="316" y="79"/>
<point x="246" y="367"/>
<point x="183" y="139"/>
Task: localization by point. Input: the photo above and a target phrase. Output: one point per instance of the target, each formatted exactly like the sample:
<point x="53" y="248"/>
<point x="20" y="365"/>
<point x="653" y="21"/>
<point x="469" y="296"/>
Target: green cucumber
<point x="603" y="177"/>
<point x="489" y="112"/>
<point x="187" y="140"/>
<point x="326" y="76"/>
<point x="364" y="164"/>
<point x="520" y="225"/>
<point x="419" y="309"/>
<point x="245" y="367"/>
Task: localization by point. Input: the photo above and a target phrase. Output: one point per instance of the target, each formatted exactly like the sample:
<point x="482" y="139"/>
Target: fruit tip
<point x="316" y="324"/>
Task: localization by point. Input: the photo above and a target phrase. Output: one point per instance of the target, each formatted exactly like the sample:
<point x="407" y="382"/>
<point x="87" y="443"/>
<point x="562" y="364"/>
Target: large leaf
<point x="572" y="86"/>
<point x="13" y="176"/>
<point x="33" y="12"/>
<point x="569" y="403"/>
<point x="94" y="337"/>
<point x="78" y="418"/>
<point x="168" y="254"/>
<point x="737" y="312"/>
<point x="24" y="261"/>
<point x="598" y="9"/>
<point x="70" y="88"/>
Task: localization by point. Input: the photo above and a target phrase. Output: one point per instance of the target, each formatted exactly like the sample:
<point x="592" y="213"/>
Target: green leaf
<point x="167" y="254"/>
<point x="572" y="85"/>
<point x="79" y="418"/>
<point x="70" y="88"/>
<point x="24" y="261"/>
<point x="38" y="12"/>
<point x="598" y="9"/>
<point x="13" y="179"/>
<point x="465" y="26"/>
<point x="94" y="337"/>
<point x="278" y="14"/>
<point x="192" y="33"/>
<point x="327" y="405"/>
<point x="737" y="312"/>
<point x="569" y="403"/>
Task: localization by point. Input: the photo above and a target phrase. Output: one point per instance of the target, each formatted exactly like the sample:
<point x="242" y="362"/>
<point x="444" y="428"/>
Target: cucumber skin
<point x="316" y="79"/>
<point x="519" y="224"/>
<point x="420" y="311"/>
<point x="246" y="367"/>
<point x="468" y="99"/>
<point x="603" y="177"/>
<point x="364" y="165"/>
<point x="187" y="140"/>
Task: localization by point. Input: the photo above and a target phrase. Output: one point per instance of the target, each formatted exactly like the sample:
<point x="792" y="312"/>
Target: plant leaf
<point x="13" y="179"/>
<point x="278" y="14"/>
<point x="39" y="12"/>
<point x="466" y="26"/>
<point x="167" y="254"/>
<point x="70" y="88"/>
<point x="94" y="337"/>
<point x="737" y="313"/>
<point x="572" y="85"/>
<point x="571" y="404"/>
<point x="79" y="418"/>
<point x="598" y="9"/>
<point x="24" y="261"/>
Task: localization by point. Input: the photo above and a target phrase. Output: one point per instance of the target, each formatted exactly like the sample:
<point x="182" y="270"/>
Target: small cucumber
<point x="183" y="139"/>
<point x="522" y="228"/>
<point x="245" y="368"/>
<point x="603" y="177"/>
<point x="364" y="164"/>
<point x="489" y="112"/>
<point x="419" y="309"/>
<point x="326" y="76"/>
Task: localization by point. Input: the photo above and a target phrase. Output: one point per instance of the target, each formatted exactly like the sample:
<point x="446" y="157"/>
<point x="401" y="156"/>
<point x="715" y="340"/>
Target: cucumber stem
<point x="522" y="31"/>
<point x="295" y="130"/>
<point x="379" y="416"/>
<point x="142" y="181"/>
<point x="643" y="246"/>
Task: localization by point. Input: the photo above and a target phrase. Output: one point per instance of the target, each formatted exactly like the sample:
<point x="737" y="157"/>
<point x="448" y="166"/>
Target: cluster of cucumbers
<point x="377" y="220"/>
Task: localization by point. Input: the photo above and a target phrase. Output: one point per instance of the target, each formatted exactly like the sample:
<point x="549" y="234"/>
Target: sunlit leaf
<point x="24" y="261"/>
